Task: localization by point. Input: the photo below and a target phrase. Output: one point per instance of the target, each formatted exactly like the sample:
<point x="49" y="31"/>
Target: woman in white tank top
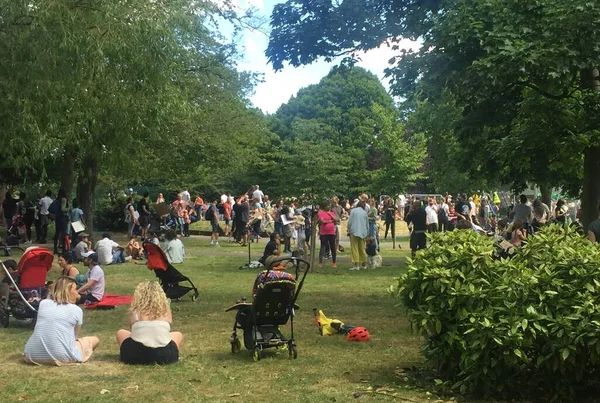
<point x="150" y="340"/>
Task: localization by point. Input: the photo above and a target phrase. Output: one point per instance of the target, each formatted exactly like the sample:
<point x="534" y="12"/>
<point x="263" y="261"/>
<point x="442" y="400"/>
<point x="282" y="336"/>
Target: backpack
<point x="209" y="213"/>
<point x="54" y="207"/>
<point x="442" y="215"/>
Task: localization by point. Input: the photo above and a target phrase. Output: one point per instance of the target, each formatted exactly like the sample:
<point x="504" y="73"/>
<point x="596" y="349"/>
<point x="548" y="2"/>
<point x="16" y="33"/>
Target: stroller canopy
<point x="33" y="267"/>
<point x="157" y="260"/>
<point x="268" y="277"/>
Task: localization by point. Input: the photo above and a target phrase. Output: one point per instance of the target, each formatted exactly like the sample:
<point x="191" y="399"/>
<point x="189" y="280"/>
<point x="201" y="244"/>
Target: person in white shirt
<point x="185" y="196"/>
<point x="173" y="248"/>
<point x="432" y="216"/>
<point x="258" y="194"/>
<point x="55" y="339"/>
<point x="45" y="203"/>
<point x="109" y="252"/>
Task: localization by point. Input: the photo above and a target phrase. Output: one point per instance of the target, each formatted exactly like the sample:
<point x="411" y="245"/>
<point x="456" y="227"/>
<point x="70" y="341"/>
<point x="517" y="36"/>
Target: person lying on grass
<point x="150" y="340"/>
<point x="55" y="339"/>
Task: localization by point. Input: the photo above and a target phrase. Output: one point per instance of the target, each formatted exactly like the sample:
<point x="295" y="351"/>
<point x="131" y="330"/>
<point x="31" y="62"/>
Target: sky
<point x="278" y="87"/>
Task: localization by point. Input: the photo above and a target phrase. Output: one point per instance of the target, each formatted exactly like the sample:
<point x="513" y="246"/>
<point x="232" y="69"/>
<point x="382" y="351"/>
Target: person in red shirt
<point x="327" y="222"/>
<point x="227" y="218"/>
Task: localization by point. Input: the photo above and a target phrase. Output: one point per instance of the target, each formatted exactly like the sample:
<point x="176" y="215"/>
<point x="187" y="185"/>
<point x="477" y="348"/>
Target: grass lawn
<point x="327" y="368"/>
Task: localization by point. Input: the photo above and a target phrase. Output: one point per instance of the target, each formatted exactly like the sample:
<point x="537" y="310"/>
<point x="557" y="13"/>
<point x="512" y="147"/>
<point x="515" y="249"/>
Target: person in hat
<point x="84" y="245"/>
<point x="93" y="290"/>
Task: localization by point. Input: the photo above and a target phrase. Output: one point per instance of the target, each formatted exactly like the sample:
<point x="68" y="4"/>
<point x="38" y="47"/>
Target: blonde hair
<point x="60" y="290"/>
<point x="149" y="301"/>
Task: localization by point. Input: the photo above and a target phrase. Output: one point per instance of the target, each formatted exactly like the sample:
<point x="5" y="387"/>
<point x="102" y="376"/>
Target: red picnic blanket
<point x="109" y="301"/>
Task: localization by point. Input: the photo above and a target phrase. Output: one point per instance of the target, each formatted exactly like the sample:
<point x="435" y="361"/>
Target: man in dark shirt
<point x="271" y="250"/>
<point x="144" y="210"/>
<point x="418" y="217"/>
<point x="212" y="214"/>
<point x="242" y="214"/>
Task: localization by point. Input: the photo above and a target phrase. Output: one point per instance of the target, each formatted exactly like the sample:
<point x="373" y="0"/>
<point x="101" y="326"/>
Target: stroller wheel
<point x="236" y="346"/>
<point x="195" y="297"/>
<point x="3" y="318"/>
<point x="256" y="354"/>
<point x="293" y="352"/>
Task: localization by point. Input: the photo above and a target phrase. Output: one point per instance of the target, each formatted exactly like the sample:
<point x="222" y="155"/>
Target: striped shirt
<point x="53" y="339"/>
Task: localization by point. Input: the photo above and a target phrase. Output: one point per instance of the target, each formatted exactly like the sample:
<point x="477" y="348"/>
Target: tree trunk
<point x="68" y="171"/>
<point x="86" y="187"/>
<point x="546" y="192"/>
<point x="591" y="185"/>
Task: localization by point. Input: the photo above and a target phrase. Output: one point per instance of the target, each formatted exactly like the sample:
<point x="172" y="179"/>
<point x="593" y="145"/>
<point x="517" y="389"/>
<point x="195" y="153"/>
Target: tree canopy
<point x="496" y="58"/>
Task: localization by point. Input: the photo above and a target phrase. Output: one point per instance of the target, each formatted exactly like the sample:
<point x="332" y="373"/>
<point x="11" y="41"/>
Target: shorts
<point x="87" y="299"/>
<point x="418" y="241"/>
<point x="288" y="231"/>
<point x="215" y="226"/>
<point x="144" y="220"/>
<point x="227" y="221"/>
<point x="135" y="353"/>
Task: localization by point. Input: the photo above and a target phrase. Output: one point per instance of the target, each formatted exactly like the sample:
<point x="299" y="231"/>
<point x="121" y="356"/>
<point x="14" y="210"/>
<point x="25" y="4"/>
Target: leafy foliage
<point x="350" y="114"/>
<point x="526" y="326"/>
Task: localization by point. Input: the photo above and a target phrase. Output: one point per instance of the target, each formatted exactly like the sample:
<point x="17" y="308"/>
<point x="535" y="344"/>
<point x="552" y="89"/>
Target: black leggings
<point x="391" y="224"/>
<point x="327" y="240"/>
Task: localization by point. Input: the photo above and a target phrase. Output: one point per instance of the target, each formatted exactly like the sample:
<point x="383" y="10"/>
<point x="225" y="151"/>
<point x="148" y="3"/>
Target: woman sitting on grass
<point x="55" y="339"/>
<point x="150" y="340"/>
<point x="66" y="264"/>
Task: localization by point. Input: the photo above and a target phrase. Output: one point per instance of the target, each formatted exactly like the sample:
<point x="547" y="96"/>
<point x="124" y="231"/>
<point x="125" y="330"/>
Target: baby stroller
<point x="168" y="276"/>
<point x="275" y="294"/>
<point x="22" y="296"/>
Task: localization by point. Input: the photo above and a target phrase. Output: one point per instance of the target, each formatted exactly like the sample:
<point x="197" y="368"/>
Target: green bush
<point x="523" y="326"/>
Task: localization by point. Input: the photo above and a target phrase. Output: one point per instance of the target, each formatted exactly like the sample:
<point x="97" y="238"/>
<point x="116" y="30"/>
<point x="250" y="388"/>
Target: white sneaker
<point x="127" y="258"/>
<point x="355" y="268"/>
<point x="363" y="267"/>
<point x="217" y="245"/>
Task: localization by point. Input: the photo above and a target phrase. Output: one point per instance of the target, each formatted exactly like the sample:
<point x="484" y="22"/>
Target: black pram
<point x="275" y="294"/>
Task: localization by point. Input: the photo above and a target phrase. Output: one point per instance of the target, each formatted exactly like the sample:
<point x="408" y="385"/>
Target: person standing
<point x="61" y="223"/>
<point x="185" y="196"/>
<point x="327" y="223"/>
<point x="432" y="216"/>
<point x="212" y="214"/>
<point x="8" y="206"/>
<point x="443" y="215"/>
<point x="144" y="211"/>
<point x="418" y="218"/>
<point x="258" y="194"/>
<point x="27" y="210"/>
<point x="358" y="228"/>
<point x="227" y="217"/>
<point x="130" y="217"/>
<point x="390" y="217"/>
<point x="373" y="213"/>
<point x="523" y="212"/>
<point x="339" y="213"/>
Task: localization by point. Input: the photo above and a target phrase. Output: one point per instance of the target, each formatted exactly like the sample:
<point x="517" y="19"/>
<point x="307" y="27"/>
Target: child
<point x="371" y="247"/>
<point x="133" y="248"/>
<point x="150" y="340"/>
<point x="518" y="234"/>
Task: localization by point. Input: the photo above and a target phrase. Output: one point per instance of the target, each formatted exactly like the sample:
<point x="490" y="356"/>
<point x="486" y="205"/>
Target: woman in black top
<point x="390" y="217"/>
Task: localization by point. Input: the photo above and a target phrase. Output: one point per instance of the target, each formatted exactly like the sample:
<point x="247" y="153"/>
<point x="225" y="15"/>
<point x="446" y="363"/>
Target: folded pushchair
<point x="168" y="276"/>
<point x="275" y="294"/>
<point x="22" y="295"/>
